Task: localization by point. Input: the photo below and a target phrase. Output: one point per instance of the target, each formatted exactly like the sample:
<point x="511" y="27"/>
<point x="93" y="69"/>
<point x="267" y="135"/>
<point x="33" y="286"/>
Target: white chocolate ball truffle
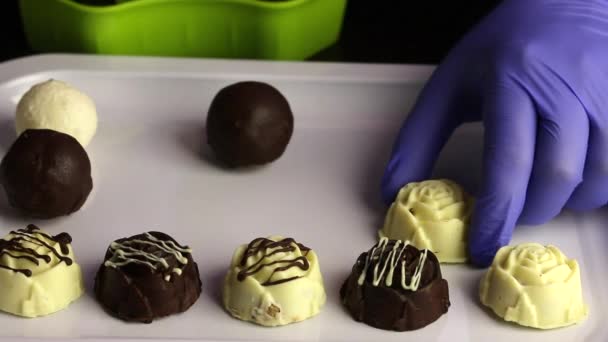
<point x="60" y="107"/>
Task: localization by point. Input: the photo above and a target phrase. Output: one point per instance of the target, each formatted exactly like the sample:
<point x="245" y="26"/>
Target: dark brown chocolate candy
<point x="46" y="174"/>
<point x="394" y="307"/>
<point x="147" y="276"/>
<point x="249" y="123"/>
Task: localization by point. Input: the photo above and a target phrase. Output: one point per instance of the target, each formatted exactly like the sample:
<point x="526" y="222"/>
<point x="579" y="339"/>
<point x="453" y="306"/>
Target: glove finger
<point x="561" y="149"/>
<point x="591" y="193"/>
<point x="437" y="113"/>
<point x="509" y="137"/>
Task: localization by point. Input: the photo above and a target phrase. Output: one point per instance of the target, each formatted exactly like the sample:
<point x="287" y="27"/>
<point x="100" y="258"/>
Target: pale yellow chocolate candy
<point x="279" y="282"/>
<point x="433" y="215"/>
<point x="30" y="289"/>
<point x="535" y="286"/>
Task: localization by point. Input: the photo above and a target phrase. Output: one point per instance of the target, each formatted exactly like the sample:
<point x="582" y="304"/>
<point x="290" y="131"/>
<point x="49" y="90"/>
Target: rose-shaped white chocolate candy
<point x="535" y="286"/>
<point x="433" y="215"/>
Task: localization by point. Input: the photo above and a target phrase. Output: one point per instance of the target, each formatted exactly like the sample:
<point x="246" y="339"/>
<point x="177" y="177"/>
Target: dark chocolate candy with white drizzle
<point x="395" y="286"/>
<point x="147" y="276"/>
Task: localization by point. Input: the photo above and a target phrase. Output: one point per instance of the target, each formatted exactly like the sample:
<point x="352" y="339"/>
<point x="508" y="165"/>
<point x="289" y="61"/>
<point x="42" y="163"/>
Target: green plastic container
<point x="284" y="30"/>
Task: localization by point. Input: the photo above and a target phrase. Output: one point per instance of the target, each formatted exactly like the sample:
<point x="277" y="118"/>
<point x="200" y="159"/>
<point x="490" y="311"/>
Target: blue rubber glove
<point x="536" y="73"/>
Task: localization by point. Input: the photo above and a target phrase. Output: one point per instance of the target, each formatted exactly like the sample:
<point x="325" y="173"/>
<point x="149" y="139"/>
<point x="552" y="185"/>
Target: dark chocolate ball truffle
<point x="147" y="276"/>
<point x="249" y="123"/>
<point x="46" y="174"/>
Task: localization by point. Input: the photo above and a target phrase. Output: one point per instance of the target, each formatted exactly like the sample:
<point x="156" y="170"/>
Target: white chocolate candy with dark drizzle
<point x="274" y="281"/>
<point x="38" y="273"/>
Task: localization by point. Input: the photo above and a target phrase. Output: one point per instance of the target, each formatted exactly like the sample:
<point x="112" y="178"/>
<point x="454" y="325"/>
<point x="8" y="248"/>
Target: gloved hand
<point x="536" y="73"/>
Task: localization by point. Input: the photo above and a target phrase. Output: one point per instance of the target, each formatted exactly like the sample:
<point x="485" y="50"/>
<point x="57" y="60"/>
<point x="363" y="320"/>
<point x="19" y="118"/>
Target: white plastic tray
<point x="149" y="174"/>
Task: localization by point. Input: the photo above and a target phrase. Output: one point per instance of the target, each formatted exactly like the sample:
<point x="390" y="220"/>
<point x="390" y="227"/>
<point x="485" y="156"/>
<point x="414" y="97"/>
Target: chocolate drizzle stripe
<point x="269" y="248"/>
<point x="17" y="247"/>
<point x="136" y="256"/>
<point x="131" y="251"/>
<point x="25" y="272"/>
<point x="169" y="245"/>
<point x="63" y="239"/>
<point x="32" y="235"/>
<point x="26" y="257"/>
<point x="259" y="244"/>
<point x="290" y="263"/>
<point x="380" y="258"/>
<point x="21" y="238"/>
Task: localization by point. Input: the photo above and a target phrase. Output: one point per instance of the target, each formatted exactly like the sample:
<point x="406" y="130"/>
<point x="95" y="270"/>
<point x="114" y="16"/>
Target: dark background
<point x="377" y="31"/>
